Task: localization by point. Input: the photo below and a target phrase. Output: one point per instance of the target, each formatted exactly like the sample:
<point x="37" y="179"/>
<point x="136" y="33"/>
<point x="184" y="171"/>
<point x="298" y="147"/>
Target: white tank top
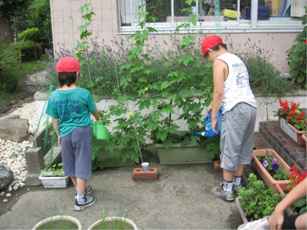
<point x="236" y="87"/>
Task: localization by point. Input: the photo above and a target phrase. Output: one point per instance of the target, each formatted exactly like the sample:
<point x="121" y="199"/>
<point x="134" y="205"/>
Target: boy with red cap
<point x="232" y="91"/>
<point x="71" y="108"/>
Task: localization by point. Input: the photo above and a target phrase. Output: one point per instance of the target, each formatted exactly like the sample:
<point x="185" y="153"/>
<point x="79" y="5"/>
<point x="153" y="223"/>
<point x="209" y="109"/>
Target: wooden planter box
<point x="291" y="131"/>
<point x="305" y="139"/>
<point x="278" y="185"/>
<point x="177" y="154"/>
<point x="241" y="211"/>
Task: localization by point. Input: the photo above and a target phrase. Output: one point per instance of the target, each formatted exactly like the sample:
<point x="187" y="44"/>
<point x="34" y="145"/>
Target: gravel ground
<point x="12" y="154"/>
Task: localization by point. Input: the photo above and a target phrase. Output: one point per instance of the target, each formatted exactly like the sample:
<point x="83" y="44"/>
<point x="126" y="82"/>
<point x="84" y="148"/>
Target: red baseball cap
<point x="209" y="42"/>
<point x="68" y="65"/>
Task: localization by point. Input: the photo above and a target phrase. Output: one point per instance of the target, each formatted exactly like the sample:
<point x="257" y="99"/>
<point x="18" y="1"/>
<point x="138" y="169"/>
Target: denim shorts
<point x="237" y="136"/>
<point x="76" y="153"/>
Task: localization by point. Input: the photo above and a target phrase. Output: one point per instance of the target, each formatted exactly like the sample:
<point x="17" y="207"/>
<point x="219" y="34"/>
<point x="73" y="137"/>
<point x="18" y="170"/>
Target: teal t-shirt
<point x="72" y="107"/>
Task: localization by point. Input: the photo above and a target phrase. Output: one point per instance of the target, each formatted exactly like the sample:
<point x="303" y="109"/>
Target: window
<point x="212" y="14"/>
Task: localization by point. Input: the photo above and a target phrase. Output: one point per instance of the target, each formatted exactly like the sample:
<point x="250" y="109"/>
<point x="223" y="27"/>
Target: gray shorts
<point x="76" y="153"/>
<point x="237" y="136"/>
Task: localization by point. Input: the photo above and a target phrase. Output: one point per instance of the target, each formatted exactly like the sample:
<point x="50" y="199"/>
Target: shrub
<point x="297" y="57"/>
<point x="40" y="18"/>
<point x="30" y="34"/>
<point x="9" y="66"/>
<point x="265" y="78"/>
<point x="28" y="50"/>
<point x="257" y="200"/>
<point x="297" y="60"/>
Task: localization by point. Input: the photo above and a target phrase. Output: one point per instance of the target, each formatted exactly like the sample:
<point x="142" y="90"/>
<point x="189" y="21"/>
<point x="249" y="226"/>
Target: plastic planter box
<point x="241" y="211"/>
<point x="54" y="182"/>
<point x="278" y="185"/>
<point x="291" y="131"/>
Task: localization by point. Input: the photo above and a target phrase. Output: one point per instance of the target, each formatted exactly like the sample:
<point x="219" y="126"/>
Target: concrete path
<point x="181" y="199"/>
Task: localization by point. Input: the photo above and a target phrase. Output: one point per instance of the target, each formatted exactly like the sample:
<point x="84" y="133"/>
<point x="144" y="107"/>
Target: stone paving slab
<point x="181" y="199"/>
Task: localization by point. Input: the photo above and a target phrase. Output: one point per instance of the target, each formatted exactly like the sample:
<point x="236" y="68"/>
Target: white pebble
<point x="8" y="194"/>
<point x="2" y="193"/>
<point x="5" y="200"/>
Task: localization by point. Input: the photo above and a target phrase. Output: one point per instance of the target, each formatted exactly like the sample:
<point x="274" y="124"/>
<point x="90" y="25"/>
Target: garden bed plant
<point x="58" y="222"/>
<point x="53" y="177"/>
<point x="296" y="176"/>
<point x="161" y="100"/>
<point x="118" y="223"/>
<point x="272" y="168"/>
<point x="256" y="201"/>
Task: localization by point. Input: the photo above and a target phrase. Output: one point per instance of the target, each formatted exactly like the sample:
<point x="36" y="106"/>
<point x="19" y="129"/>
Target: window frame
<point x="280" y="24"/>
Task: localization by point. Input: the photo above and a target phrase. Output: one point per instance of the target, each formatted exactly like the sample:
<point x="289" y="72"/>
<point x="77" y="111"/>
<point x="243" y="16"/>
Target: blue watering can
<point x="209" y="132"/>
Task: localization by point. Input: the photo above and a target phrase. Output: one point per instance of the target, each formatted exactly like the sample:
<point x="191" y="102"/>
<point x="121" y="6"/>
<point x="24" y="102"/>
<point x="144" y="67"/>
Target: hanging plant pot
<point x="58" y="222"/>
<point x="280" y="186"/>
<point x="118" y="223"/>
<point x="291" y="131"/>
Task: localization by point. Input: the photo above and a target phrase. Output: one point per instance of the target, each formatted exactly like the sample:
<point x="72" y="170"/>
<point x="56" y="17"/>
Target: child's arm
<point x="96" y="116"/>
<point x="55" y="124"/>
<point x="277" y="218"/>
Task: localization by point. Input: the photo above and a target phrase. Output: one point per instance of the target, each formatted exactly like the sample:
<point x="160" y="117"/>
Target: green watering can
<point x="100" y="131"/>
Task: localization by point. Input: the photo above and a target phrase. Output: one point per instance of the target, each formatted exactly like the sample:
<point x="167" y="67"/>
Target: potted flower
<point x="272" y="168"/>
<point x="300" y="206"/>
<point x="256" y="201"/>
<point x="296" y="176"/>
<point x="58" y="222"/>
<point x="53" y="177"/>
<point x="118" y="223"/>
<point x="292" y="120"/>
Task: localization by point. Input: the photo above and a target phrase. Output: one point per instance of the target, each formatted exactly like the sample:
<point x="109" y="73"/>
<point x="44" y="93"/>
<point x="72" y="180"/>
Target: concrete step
<point x="288" y="149"/>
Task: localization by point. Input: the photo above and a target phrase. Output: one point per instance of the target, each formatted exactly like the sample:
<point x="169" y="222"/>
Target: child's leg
<point x="74" y="181"/>
<point x="68" y="157"/>
<point x="81" y="139"/>
<point x="81" y="185"/>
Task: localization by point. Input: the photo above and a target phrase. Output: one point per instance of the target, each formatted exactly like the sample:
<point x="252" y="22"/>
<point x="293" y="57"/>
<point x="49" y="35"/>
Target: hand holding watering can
<point x="210" y="131"/>
<point x="100" y="131"/>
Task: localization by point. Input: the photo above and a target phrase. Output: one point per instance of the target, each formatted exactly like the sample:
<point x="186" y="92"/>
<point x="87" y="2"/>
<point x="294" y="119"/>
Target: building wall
<point x="66" y="19"/>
